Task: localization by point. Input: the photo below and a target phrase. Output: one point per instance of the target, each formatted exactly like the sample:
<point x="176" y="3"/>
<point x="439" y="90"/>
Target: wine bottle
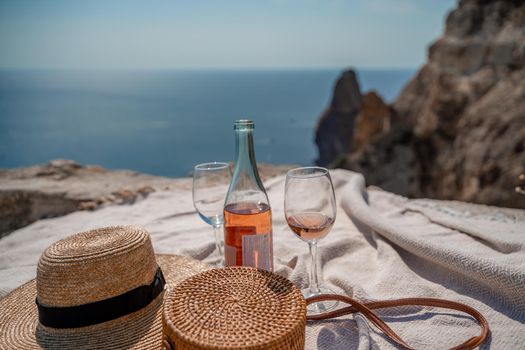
<point x="247" y="212"/>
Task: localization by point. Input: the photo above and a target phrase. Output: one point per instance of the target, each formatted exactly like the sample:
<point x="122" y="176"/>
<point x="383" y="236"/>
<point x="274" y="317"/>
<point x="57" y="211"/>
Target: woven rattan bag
<point x="235" y="308"/>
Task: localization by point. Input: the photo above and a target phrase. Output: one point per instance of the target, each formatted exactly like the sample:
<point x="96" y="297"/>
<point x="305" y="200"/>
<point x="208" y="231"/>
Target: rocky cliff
<point x="63" y="186"/>
<point x="458" y="128"/>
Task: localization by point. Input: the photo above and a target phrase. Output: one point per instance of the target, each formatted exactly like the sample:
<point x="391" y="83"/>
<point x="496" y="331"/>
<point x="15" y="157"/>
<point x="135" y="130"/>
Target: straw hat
<point x="101" y="289"/>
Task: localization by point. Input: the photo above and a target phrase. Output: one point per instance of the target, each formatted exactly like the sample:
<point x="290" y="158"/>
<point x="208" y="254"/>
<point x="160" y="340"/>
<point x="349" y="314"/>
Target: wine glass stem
<point x="219" y="231"/>
<point x="314" y="276"/>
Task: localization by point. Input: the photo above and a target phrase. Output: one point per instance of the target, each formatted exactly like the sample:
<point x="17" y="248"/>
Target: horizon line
<point x="210" y="68"/>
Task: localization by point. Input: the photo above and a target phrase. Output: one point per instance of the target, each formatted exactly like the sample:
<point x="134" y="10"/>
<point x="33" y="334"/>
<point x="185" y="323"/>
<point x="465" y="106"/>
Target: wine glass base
<point x="320" y="306"/>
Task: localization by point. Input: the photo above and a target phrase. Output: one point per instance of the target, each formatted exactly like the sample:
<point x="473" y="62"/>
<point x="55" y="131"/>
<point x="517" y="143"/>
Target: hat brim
<point x="20" y="329"/>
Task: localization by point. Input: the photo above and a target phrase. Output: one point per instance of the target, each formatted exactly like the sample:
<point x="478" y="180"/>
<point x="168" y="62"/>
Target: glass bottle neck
<point x="245" y="163"/>
<point x="244" y="150"/>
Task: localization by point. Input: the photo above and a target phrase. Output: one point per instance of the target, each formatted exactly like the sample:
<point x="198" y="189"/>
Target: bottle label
<point x="243" y="247"/>
<point x="256" y="251"/>
<point x="233" y="243"/>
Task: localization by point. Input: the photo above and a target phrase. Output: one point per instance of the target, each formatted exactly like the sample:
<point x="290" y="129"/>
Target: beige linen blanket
<point x="382" y="246"/>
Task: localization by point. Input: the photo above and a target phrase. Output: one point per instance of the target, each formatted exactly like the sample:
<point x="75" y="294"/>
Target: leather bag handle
<point x="366" y="310"/>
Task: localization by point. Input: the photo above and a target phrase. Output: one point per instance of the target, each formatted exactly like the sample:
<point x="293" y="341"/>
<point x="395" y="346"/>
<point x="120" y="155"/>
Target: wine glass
<point x="310" y="210"/>
<point x="210" y="185"/>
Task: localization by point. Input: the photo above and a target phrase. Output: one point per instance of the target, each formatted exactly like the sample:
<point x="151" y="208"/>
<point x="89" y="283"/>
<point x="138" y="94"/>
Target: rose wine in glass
<point x="310" y="226"/>
<point x="247" y="213"/>
<point x="310" y="210"/>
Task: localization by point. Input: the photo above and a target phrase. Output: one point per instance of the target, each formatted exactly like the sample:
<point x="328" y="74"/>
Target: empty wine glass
<point x="310" y="210"/>
<point x="210" y="185"/>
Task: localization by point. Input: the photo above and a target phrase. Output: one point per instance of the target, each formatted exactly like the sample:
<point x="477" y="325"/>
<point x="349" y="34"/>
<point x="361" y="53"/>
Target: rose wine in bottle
<point x="247" y="213"/>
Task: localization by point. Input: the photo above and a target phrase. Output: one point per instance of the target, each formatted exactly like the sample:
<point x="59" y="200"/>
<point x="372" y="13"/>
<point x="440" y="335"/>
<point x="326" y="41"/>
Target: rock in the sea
<point x="373" y="119"/>
<point x="333" y="134"/>
<point x="394" y="153"/>
<point x="462" y="115"/>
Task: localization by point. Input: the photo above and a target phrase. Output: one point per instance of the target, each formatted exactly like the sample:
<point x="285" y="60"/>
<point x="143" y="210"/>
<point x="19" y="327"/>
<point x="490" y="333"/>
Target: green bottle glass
<point x="247" y="213"/>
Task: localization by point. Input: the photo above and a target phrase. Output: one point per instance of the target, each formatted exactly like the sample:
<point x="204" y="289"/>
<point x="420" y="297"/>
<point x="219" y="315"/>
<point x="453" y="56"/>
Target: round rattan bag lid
<point x="235" y="308"/>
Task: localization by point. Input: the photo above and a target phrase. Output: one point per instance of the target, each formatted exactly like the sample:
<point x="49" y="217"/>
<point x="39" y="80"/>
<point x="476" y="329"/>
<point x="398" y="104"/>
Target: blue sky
<point x="158" y="34"/>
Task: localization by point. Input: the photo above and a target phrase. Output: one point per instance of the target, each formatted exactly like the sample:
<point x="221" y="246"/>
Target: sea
<point x="164" y="122"/>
